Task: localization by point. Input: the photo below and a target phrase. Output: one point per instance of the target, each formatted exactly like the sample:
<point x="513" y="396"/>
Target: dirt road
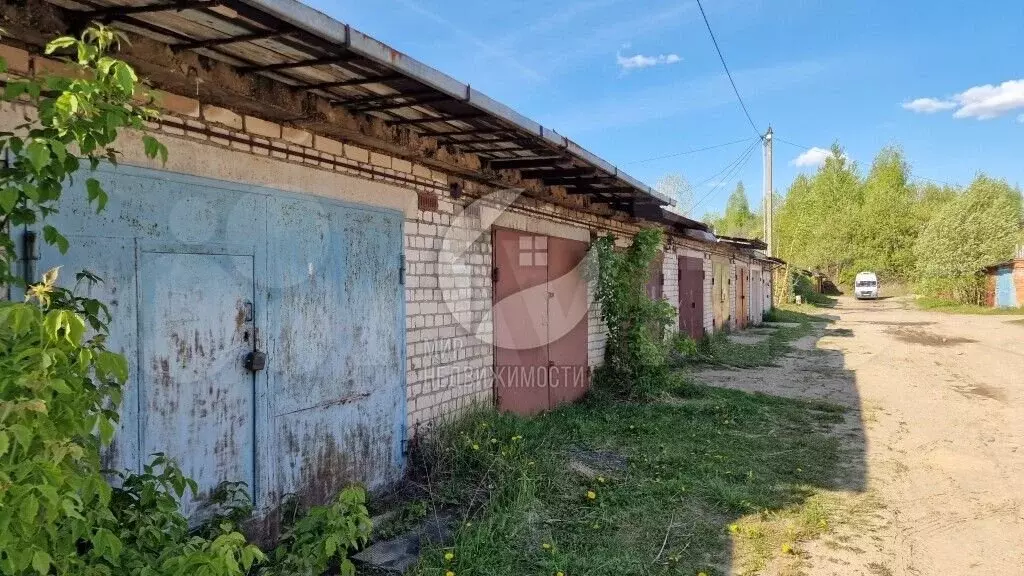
<point x="934" y="481"/>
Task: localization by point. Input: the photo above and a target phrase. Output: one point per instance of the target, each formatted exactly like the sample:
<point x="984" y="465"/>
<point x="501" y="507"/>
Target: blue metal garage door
<point x="1006" y="293"/>
<point x="200" y="274"/>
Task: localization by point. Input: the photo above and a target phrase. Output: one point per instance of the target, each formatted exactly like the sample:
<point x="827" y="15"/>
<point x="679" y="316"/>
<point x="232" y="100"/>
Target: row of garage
<point x="284" y="292"/>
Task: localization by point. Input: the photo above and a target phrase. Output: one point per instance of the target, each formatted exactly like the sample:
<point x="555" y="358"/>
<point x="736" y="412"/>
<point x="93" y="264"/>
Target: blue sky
<point x="634" y="80"/>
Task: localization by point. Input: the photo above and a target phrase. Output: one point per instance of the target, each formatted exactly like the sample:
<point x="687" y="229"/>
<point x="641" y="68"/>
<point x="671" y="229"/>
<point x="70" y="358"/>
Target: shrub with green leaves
<point x="323" y="538"/>
<point x="635" y="351"/>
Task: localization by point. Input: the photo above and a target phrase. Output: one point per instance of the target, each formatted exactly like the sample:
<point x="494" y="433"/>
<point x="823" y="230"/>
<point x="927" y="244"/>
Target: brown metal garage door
<point x="691" y="296"/>
<point x="742" y="298"/>
<point x="540" y="321"/>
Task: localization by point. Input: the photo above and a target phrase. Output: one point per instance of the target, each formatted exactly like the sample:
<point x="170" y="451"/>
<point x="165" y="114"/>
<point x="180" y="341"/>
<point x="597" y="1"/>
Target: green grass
<point x="938" y="305"/>
<point x="719" y="349"/>
<point x="701" y="474"/>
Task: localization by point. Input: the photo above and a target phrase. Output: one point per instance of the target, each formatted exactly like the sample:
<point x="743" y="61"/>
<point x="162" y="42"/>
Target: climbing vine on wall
<point x="636" y="347"/>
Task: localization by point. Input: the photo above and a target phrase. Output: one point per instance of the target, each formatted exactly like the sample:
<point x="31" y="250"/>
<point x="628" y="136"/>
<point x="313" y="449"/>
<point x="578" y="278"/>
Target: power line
<point x="727" y="72"/>
<point x="910" y="174"/>
<point x="730" y="170"/>
<point x="727" y="178"/>
<point x="692" y="151"/>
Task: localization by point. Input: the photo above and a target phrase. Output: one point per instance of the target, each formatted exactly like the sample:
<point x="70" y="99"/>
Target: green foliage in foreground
<point x="60" y="387"/>
<point x="635" y="349"/>
<point x="668" y="482"/>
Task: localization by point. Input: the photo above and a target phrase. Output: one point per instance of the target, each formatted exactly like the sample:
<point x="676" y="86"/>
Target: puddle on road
<point x="925" y="338"/>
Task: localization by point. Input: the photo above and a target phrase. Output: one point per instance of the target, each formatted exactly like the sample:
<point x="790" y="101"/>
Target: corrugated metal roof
<point x="292" y="43"/>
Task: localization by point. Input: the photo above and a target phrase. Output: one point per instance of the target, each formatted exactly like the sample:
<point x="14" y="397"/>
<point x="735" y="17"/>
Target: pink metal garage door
<point x="691" y="296"/>
<point x="540" y="321"/>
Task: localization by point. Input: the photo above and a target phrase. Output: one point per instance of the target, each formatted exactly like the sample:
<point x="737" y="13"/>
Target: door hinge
<point x="401" y="270"/>
<point x="495" y="275"/>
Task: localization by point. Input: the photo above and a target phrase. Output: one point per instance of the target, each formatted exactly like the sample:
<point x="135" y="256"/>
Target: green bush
<point x="323" y="538"/>
<point x="155" y="537"/>
<point x="636" y="349"/>
<point x="962" y="290"/>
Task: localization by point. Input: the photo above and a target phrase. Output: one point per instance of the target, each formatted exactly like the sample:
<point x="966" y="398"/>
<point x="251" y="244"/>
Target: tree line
<point x="932" y="236"/>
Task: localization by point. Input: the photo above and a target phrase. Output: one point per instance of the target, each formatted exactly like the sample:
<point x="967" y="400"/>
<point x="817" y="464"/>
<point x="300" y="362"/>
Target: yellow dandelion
<point x="546" y="546"/>
<point x="601" y="479"/>
<point x="559" y="573"/>
<point x="449" y="573"/>
<point x="787" y="549"/>
<point x="476" y="446"/>
<point x="702" y="574"/>
<point x="734" y="528"/>
<point x="591" y="495"/>
<point x="448" y="556"/>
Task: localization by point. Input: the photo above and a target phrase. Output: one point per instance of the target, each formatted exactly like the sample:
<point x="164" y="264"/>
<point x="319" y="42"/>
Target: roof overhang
<point x="750" y="243"/>
<point x="291" y="43"/>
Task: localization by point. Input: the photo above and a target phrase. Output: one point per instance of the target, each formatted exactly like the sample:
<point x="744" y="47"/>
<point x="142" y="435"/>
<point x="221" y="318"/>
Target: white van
<point x="866" y="285"/>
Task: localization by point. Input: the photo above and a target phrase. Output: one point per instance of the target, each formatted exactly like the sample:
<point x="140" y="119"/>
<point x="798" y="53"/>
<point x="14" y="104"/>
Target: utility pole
<point x="769" y="199"/>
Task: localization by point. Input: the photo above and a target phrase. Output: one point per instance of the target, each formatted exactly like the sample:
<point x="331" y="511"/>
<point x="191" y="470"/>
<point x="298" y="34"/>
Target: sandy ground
<point x="934" y="444"/>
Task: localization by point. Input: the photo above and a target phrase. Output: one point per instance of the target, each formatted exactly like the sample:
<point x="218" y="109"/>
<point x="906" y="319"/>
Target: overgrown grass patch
<point x="677" y="476"/>
<point x="939" y="305"/>
<point x="719" y="349"/>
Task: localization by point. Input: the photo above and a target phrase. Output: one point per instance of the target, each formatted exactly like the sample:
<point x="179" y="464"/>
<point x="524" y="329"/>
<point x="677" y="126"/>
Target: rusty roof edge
<point x="316" y="22"/>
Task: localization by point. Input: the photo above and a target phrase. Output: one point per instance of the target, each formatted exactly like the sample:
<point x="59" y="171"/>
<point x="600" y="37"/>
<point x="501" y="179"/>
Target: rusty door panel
<point x="691" y="296"/>
<point x="328" y="309"/>
<point x="195" y="329"/>
<point x="336" y="332"/>
<point x="742" y="297"/>
<point x="568" y="378"/>
<point x="720" y="293"/>
<point x="520" y="321"/>
<point x="118" y="291"/>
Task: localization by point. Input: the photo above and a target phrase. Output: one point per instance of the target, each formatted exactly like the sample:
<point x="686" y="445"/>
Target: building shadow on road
<point x="820" y="418"/>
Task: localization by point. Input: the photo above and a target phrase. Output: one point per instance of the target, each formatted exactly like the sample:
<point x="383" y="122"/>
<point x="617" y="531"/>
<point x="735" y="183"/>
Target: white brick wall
<point x="448" y="299"/>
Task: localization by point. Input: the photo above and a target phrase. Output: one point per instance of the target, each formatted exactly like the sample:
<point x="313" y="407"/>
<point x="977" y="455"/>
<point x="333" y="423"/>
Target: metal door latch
<point x="255" y="361"/>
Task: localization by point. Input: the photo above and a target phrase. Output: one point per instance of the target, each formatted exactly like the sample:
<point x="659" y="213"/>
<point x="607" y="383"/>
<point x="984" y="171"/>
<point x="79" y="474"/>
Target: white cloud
<point x="981" y="102"/>
<point x="640" y="61"/>
<point x="929" y="105"/>
<point x="813" y="157"/>
<point x="1020" y="119"/>
<point x="988" y="101"/>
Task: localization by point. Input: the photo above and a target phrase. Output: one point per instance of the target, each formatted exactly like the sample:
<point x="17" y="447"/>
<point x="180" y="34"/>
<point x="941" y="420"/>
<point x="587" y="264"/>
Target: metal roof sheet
<point x="297" y="45"/>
